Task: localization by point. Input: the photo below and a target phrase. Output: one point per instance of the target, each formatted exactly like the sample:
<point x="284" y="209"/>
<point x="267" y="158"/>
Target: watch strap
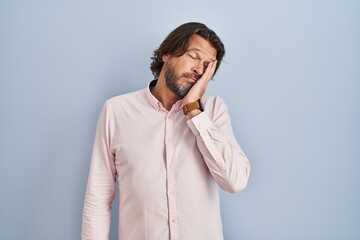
<point x="192" y="106"/>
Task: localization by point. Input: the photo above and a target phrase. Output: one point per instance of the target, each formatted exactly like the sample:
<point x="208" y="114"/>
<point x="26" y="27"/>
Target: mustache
<point x="192" y="75"/>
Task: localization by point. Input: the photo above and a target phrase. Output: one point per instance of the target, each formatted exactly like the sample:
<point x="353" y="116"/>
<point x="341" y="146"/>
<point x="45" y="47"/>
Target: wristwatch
<point x="192" y="106"/>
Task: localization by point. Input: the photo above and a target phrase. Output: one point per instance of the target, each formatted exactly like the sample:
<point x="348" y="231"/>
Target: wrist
<point x="193" y="113"/>
<point x="193" y="108"/>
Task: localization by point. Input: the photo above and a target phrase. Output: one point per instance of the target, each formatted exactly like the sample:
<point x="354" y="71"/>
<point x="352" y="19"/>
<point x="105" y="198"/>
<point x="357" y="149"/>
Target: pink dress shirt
<point x="167" y="166"/>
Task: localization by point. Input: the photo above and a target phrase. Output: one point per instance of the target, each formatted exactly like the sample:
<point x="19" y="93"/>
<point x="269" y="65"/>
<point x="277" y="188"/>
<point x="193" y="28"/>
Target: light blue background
<point x="291" y="79"/>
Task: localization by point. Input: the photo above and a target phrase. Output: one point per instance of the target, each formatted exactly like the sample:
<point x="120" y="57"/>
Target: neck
<point x="162" y="93"/>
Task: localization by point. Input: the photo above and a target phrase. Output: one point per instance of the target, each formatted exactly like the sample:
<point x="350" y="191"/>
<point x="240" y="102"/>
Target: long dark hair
<point x="176" y="44"/>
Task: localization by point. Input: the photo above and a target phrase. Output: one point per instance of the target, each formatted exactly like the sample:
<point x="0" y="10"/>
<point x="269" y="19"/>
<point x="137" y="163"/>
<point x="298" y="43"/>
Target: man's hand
<point x="198" y="89"/>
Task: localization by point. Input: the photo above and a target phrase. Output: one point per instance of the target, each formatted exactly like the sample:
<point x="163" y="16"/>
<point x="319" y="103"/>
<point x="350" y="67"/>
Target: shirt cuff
<point x="199" y="123"/>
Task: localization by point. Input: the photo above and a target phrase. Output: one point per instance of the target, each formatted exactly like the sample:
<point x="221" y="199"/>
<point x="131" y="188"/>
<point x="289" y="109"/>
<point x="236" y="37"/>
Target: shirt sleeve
<point x="226" y="161"/>
<point x="101" y="184"/>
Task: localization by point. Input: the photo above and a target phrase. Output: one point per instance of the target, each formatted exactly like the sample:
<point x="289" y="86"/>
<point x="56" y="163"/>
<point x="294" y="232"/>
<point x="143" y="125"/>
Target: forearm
<point x="100" y="192"/>
<point x="97" y="211"/>
<point x="226" y="161"/>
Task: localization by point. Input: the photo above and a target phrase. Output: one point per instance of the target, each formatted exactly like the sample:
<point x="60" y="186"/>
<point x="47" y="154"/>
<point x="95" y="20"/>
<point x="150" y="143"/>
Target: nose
<point x="198" y="68"/>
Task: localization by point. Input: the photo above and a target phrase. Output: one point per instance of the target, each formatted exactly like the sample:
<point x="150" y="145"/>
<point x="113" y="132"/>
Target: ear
<point x="165" y="57"/>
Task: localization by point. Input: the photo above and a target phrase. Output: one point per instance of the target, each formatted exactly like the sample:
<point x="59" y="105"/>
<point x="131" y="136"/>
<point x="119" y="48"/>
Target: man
<point x="169" y="147"/>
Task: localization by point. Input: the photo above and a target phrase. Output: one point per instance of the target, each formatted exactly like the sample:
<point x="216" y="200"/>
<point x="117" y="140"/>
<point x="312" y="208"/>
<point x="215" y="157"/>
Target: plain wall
<point x="291" y="79"/>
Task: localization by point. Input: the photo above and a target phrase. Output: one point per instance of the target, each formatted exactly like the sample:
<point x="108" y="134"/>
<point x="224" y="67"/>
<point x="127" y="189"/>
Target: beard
<point x="173" y="80"/>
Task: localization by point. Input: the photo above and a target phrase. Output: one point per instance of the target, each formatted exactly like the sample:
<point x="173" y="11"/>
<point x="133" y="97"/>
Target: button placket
<point x="170" y="173"/>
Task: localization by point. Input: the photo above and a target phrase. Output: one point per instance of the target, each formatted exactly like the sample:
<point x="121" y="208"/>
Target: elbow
<point x="238" y="182"/>
<point x="236" y="186"/>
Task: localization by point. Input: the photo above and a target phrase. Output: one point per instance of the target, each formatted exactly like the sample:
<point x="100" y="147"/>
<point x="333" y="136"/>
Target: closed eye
<point x="191" y="56"/>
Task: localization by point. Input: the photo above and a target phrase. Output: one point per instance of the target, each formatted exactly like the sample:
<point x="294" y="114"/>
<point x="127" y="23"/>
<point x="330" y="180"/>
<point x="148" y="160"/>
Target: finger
<point x="206" y="77"/>
<point x="210" y="70"/>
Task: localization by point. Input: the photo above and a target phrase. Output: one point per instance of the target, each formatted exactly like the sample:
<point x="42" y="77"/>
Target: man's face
<point x="182" y="72"/>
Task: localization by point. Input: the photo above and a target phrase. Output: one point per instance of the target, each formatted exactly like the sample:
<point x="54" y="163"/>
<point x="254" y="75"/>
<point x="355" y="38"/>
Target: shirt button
<point x="173" y="220"/>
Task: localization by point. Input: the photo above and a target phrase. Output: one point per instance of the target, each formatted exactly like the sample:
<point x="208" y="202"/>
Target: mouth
<point x="191" y="77"/>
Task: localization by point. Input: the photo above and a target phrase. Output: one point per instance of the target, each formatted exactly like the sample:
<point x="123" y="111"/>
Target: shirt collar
<point x="153" y="100"/>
